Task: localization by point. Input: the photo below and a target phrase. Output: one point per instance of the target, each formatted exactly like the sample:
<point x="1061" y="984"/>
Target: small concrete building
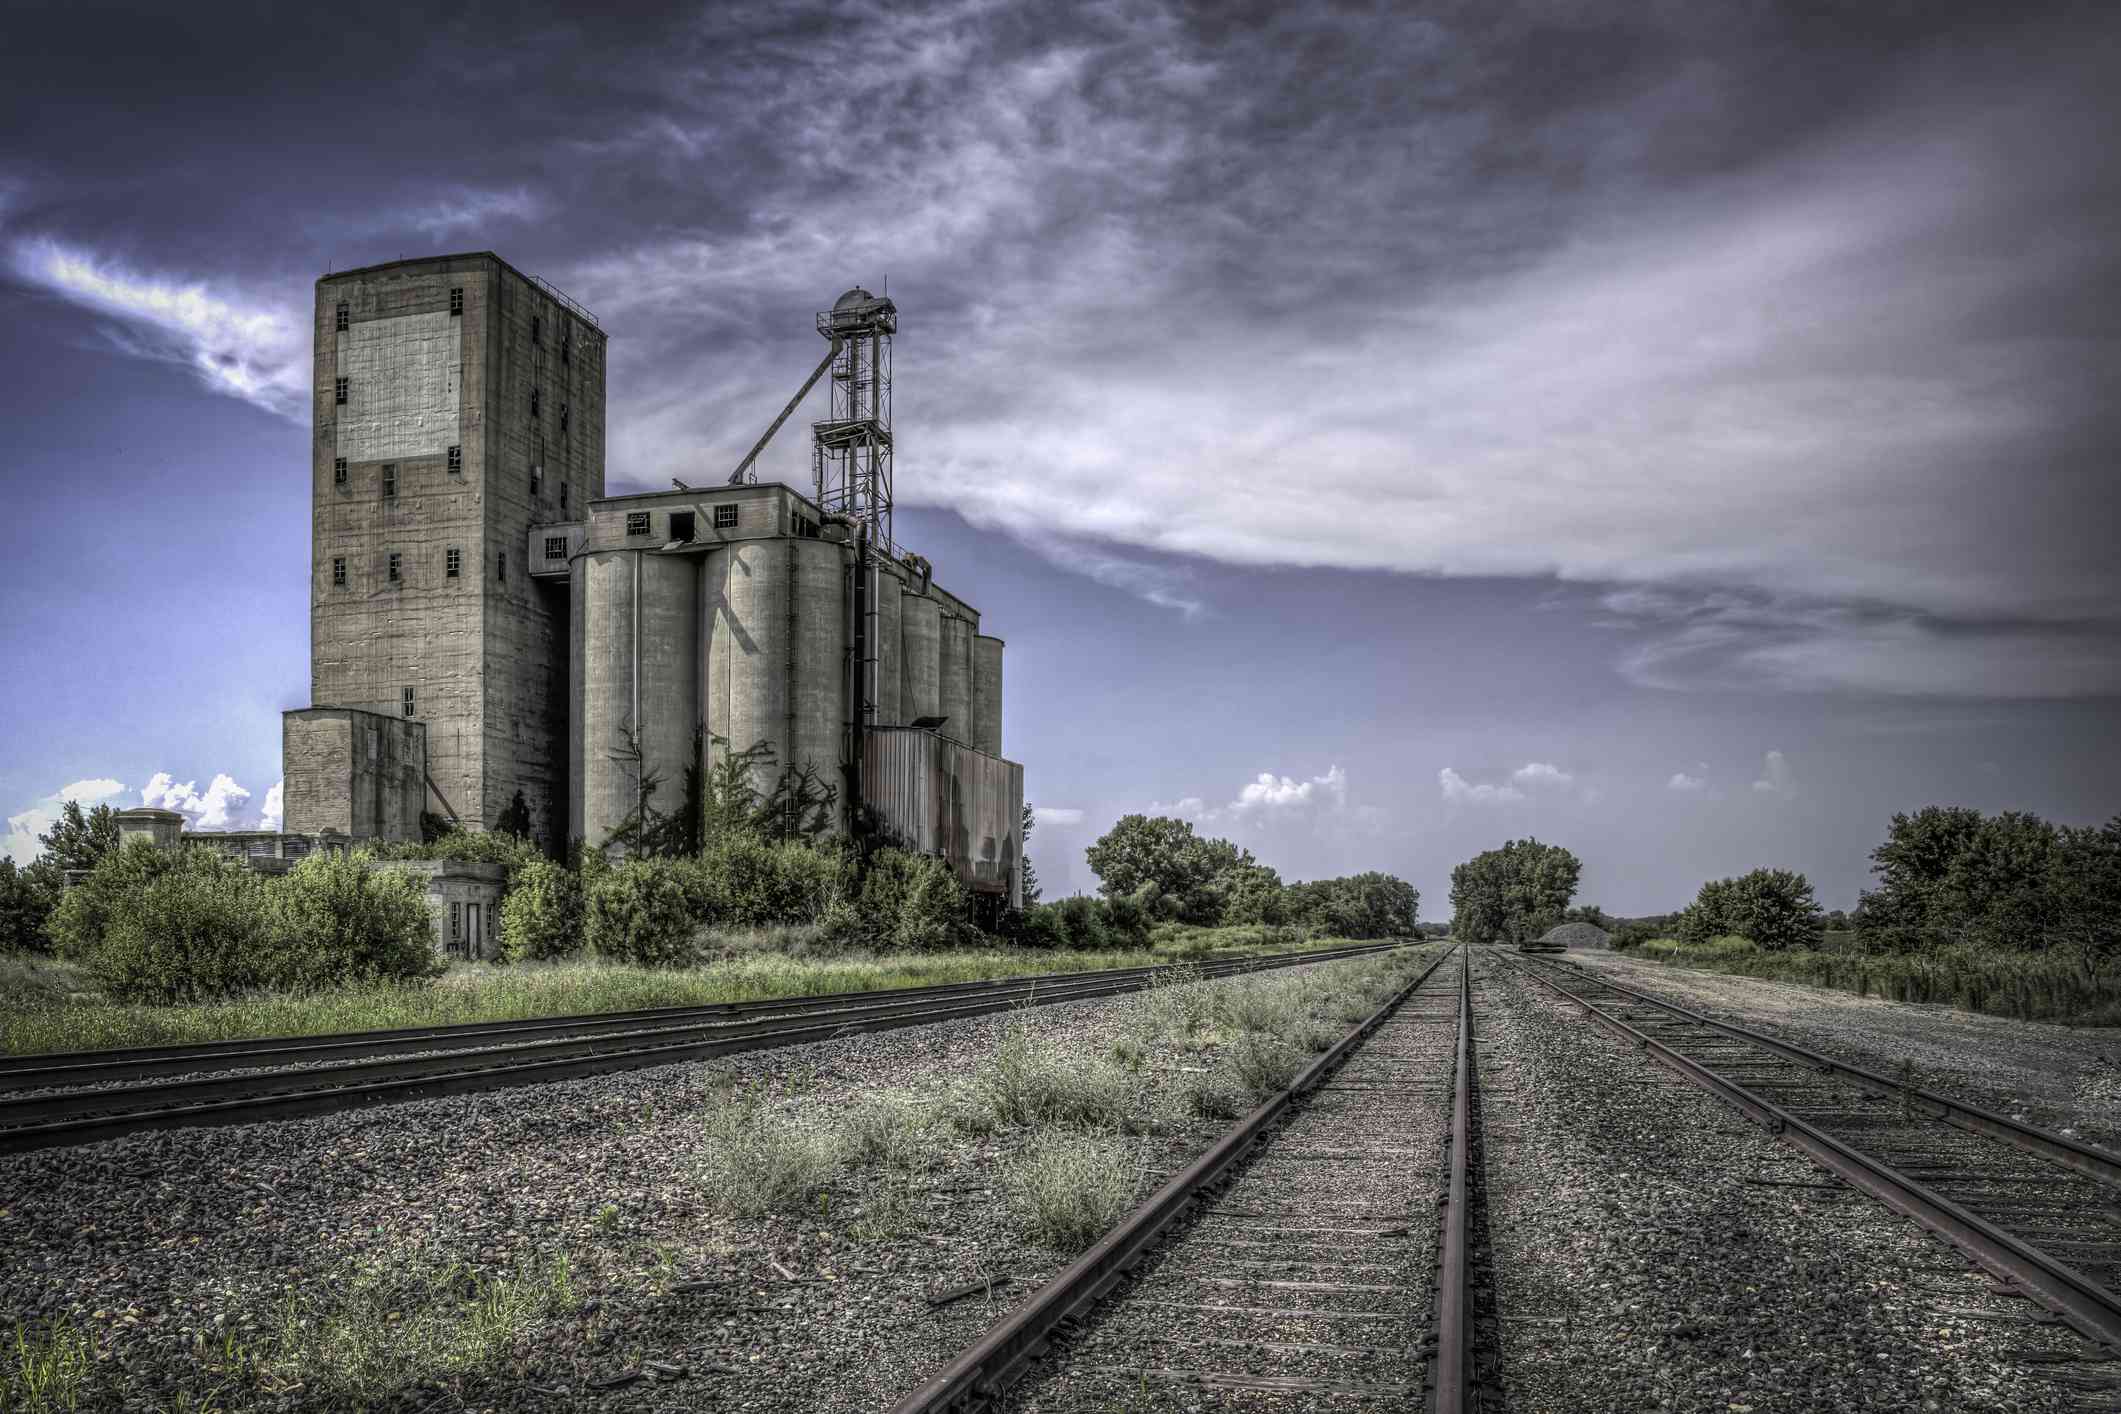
<point x="464" y="899"/>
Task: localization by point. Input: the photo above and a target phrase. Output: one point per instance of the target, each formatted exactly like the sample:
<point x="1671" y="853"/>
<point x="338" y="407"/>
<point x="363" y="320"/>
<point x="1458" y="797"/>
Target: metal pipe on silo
<point x="987" y="694"/>
<point x="920" y="647"/>
<point x="884" y="644"/>
<point x="954" y="678"/>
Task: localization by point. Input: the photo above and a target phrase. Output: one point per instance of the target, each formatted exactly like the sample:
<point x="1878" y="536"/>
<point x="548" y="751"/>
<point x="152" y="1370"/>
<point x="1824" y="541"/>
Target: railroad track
<point x="84" y="1096"/>
<point x="2039" y="1211"/>
<point x="1321" y="1255"/>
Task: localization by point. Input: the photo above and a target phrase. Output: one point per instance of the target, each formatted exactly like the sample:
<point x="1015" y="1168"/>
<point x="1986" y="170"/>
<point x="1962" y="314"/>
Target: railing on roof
<point x="564" y="298"/>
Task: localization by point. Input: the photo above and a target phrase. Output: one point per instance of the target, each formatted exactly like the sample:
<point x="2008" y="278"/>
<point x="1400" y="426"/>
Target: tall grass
<point x="45" y="1005"/>
<point x="2045" y="986"/>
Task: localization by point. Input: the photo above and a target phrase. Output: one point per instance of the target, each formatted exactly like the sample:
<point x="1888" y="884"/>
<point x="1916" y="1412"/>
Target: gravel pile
<point x="1654" y="1251"/>
<point x="1577" y="935"/>
<point x="157" y="1243"/>
<point x="2060" y="1077"/>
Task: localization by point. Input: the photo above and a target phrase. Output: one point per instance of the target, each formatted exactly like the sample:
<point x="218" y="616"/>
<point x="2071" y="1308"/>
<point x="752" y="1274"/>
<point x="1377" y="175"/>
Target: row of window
<point x="452" y="566"/>
<point x="343" y="314"/>
<point x="341" y="476"/>
<point x="681" y="522"/>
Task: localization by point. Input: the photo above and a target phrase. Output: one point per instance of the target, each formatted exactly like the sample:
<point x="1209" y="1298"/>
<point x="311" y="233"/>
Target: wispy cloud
<point x="1541" y="773"/>
<point x="1775" y="776"/>
<point x="1057" y="815"/>
<point x="1460" y="791"/>
<point x="234" y="345"/>
<point x="1685" y="784"/>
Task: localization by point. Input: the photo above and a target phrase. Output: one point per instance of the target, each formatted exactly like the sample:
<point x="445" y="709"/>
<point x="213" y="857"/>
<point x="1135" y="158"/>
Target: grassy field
<point x="2047" y="986"/>
<point x="47" y="1005"/>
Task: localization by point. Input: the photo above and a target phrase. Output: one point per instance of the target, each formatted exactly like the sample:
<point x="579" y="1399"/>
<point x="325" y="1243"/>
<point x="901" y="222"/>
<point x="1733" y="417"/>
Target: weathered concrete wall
<point x="954" y="677"/>
<point x="451" y="886"/>
<point x="645" y="601"/>
<point x="485" y="651"/>
<point x="352" y="773"/>
<point x="920" y="642"/>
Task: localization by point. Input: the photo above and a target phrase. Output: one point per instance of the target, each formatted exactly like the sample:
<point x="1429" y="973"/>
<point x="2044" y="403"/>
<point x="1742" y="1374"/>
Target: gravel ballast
<point x="152" y="1244"/>
<point x="1654" y="1251"/>
<point x="2066" y="1078"/>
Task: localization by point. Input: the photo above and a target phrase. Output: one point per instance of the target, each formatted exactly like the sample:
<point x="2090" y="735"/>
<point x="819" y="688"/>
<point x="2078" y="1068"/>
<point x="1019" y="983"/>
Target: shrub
<point x="1773" y="907"/>
<point x="542" y="915"/>
<point x="332" y="919"/>
<point x="644" y="911"/>
<point x="24" y="907"/>
<point x="161" y="926"/>
<point x="751" y="883"/>
<point x="914" y="903"/>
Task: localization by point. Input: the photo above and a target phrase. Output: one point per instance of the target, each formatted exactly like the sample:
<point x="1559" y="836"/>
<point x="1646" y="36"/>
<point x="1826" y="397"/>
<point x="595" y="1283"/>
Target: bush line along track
<point x="508" y="1054"/>
<point x="2039" y="1211"/>
<point x="1181" y="1240"/>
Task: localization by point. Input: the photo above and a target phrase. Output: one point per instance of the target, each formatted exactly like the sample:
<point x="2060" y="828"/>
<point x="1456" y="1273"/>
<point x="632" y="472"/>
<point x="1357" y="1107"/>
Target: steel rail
<point x="2087" y="1159"/>
<point x="52" y="1069"/>
<point x="978" y="1375"/>
<point x="2093" y="1310"/>
<point x="1451" y="1386"/>
<point x="80" y="1117"/>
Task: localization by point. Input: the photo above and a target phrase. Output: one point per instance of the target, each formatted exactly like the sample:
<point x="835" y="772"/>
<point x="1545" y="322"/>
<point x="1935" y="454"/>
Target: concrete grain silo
<point x="986" y="694"/>
<point x="920" y="647"/>
<point x="883" y="647"/>
<point x="954" y="677"/>
<point x="635" y="685"/>
<point x="744" y="610"/>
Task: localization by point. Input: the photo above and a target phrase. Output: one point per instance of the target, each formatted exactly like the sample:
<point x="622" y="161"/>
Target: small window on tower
<point x="533" y="402"/>
<point x="454" y="561"/>
<point x="537" y="330"/>
<point x="681" y="525"/>
<point x="338" y="390"/>
<point x="408" y="702"/>
<point x="456" y="301"/>
<point x="537" y="478"/>
<point x="563" y="495"/>
<point x="567" y="352"/>
<point x="395" y="562"/>
<point x="725" y="517"/>
<point x="390" y="480"/>
<point x="338" y="572"/>
<point x="456" y="459"/>
<point x="636" y="522"/>
<point x="500" y="567"/>
<point x="339" y="320"/>
<point x="555" y="547"/>
<point x="563" y="417"/>
<point x="338" y="471"/>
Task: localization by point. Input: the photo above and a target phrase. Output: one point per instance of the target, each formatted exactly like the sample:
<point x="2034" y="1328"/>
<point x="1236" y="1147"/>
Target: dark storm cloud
<point x="1800" y="316"/>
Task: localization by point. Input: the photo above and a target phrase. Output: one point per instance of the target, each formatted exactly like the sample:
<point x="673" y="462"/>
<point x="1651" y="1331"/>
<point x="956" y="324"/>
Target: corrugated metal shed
<point x="945" y="798"/>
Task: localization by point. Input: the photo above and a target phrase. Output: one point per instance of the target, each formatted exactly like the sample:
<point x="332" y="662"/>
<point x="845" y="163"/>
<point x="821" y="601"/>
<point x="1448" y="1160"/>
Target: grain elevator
<point x="472" y="578"/>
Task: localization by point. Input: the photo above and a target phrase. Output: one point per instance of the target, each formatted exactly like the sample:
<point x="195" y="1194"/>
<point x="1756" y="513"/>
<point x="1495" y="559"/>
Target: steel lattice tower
<point x="852" y="448"/>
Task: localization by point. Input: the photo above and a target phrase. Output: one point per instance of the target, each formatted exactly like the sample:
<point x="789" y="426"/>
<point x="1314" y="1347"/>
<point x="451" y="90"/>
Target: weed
<point x="890" y="1130"/>
<point x="607" y="1218"/>
<point x="1262" y="1065"/>
<point x="46" y="1372"/>
<point x="750" y="1166"/>
<point x="1067" y="1190"/>
<point x="1032" y="1082"/>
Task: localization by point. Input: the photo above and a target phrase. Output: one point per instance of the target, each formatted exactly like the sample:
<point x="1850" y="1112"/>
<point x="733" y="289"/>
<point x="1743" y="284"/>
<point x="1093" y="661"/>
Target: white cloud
<point x="274" y="811"/>
<point x="1046" y="815"/>
<point x="1681" y="781"/>
<point x="1271" y="792"/>
<point x="476" y="209"/>
<point x="1459" y="790"/>
<point x="218" y="807"/>
<point x="39" y="816"/>
<point x="1190" y="807"/>
<point x="236" y="347"/>
<point x="1541" y="773"/>
<point x="1775" y="777"/>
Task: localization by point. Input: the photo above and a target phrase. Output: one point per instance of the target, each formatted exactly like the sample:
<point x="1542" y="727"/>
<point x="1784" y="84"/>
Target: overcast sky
<point x="1683" y="431"/>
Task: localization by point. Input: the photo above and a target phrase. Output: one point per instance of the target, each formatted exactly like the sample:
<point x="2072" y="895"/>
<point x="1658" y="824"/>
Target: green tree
<point x="1911" y="866"/>
<point x="542" y="914"/>
<point x="1512" y="894"/>
<point x="78" y="841"/>
<point x="1772" y="907"/>
<point x="2085" y="878"/>
<point x="24" y="906"/>
<point x="1997" y="891"/>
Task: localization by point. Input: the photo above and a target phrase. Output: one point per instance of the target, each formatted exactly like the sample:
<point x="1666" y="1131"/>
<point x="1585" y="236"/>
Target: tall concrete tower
<point x="458" y="402"/>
